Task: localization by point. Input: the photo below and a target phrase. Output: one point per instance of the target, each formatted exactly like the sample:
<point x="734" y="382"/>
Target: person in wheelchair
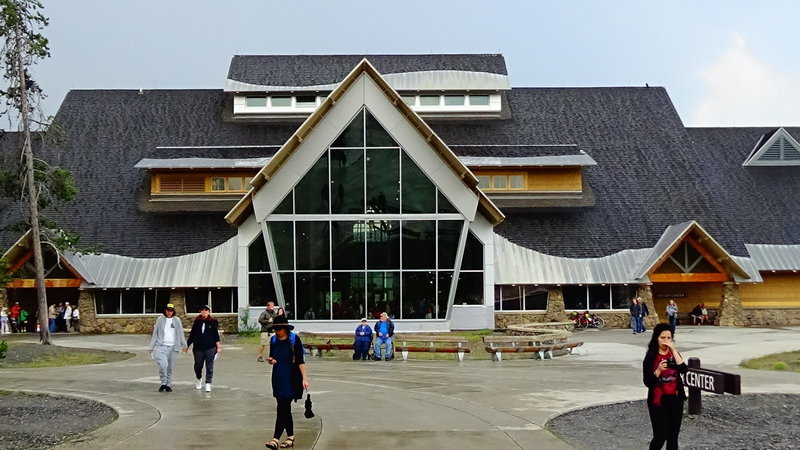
<point x="363" y="341"/>
<point x="384" y="331"/>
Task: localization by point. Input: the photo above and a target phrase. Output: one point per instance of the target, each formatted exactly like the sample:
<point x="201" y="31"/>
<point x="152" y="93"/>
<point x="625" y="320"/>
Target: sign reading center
<point x="705" y="380"/>
<point x="697" y="379"/>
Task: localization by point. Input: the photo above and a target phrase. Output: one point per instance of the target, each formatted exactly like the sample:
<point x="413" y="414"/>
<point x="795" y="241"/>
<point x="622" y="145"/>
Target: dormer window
<point x="444" y="103"/>
<point x="776" y="148"/>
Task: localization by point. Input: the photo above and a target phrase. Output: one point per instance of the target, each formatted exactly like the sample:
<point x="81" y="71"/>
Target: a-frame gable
<point x="673" y="258"/>
<point x="364" y="87"/>
<point x="21" y="253"/>
<point x="777" y="148"/>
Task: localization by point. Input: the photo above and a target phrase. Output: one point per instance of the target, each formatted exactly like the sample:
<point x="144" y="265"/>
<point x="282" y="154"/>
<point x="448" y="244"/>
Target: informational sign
<point x="705" y="380"/>
<point x="697" y="379"/>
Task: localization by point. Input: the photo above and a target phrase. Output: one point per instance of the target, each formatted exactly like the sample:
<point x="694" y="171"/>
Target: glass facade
<point x="365" y="231"/>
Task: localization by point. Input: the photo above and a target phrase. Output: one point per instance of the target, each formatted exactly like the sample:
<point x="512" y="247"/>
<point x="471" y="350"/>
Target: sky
<point x="723" y="62"/>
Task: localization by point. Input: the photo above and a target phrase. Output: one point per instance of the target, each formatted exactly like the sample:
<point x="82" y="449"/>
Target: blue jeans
<point x="52" y="325"/>
<point x="672" y="322"/>
<point x="383" y="340"/>
<point x="637" y="324"/>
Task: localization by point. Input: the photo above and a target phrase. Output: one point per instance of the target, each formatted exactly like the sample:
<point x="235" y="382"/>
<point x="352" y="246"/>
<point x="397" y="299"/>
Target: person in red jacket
<point x="13" y="315"/>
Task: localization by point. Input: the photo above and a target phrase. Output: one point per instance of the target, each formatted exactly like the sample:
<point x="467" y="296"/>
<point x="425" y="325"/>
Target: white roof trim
<point x="438" y="80"/>
<point x="202" y="163"/>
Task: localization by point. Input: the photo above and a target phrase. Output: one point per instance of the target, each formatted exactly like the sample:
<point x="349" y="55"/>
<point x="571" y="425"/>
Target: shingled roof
<point x="309" y="70"/>
<point x="651" y="171"/>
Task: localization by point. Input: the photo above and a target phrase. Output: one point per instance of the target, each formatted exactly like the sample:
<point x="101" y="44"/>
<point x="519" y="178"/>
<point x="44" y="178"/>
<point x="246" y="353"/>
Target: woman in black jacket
<point x="661" y="371"/>
<point x="205" y="337"/>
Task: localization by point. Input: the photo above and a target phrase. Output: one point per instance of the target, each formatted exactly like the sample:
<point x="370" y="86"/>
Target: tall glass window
<point x="369" y="232"/>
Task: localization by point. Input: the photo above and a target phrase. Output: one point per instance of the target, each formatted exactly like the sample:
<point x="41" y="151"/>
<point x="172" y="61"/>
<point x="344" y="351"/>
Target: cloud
<point x="742" y="90"/>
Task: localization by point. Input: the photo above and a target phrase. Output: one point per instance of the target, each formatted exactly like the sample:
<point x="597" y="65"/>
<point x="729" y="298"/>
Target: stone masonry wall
<point x="3" y="298"/>
<point x="730" y="309"/>
<point x="771" y="317"/>
<point x="90" y="323"/>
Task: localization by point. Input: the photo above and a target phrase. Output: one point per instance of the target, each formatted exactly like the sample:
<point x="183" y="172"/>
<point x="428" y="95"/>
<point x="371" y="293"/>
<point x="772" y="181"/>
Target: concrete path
<point x="414" y="404"/>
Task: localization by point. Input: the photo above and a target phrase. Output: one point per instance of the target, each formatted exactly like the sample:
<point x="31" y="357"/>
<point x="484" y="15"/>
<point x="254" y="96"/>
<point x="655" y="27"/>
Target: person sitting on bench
<point x="363" y="341"/>
<point x="697" y="315"/>
<point x="384" y="330"/>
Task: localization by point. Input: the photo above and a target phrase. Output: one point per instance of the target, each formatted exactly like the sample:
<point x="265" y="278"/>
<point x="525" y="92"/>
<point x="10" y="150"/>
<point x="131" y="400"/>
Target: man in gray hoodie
<point x="166" y="342"/>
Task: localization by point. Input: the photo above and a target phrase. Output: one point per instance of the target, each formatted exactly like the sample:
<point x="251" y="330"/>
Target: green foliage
<point x="3" y="349"/>
<point x="247" y="329"/>
<point x="780" y="365"/>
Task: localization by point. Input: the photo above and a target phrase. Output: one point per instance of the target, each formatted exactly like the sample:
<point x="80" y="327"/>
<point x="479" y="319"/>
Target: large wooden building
<point x="421" y="185"/>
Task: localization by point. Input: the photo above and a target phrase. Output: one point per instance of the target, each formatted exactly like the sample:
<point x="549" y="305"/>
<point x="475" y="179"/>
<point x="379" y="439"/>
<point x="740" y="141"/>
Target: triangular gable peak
<point x="776" y="148"/>
<point x="58" y="272"/>
<point x="365" y="88"/>
<point x="687" y="253"/>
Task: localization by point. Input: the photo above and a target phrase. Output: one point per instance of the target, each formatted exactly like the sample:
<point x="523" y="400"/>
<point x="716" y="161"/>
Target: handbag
<point x="309" y="413"/>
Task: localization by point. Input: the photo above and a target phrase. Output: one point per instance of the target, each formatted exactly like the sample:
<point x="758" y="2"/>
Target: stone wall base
<point x="771" y="317"/>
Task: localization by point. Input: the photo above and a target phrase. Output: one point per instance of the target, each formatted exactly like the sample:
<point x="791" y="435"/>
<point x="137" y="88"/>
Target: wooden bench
<point x="317" y="343"/>
<point x="431" y="344"/>
<point x="541" y="344"/>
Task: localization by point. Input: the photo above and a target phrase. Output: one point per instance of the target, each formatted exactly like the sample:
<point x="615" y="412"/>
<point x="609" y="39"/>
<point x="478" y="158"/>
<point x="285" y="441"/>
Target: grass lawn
<point x="784" y="362"/>
<point x="25" y="355"/>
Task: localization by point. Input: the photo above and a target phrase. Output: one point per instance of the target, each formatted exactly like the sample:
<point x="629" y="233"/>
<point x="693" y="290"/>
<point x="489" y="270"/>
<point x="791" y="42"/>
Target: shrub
<point x="780" y="365"/>
<point x="245" y="328"/>
<point x="3" y="349"/>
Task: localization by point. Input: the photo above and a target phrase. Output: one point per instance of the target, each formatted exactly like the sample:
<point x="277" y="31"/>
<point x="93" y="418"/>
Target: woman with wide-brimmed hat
<point x="288" y="378"/>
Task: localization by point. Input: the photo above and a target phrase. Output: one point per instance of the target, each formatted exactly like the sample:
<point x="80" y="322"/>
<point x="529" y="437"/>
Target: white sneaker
<point x="198" y="384"/>
<point x="208" y="387"/>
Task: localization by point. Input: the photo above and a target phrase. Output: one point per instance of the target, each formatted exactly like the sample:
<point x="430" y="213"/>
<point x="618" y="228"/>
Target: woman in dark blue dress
<point x="288" y="378"/>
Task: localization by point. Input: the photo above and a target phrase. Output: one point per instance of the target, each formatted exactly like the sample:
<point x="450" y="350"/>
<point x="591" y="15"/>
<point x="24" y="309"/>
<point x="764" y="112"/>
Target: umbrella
<point x="309" y="413"/>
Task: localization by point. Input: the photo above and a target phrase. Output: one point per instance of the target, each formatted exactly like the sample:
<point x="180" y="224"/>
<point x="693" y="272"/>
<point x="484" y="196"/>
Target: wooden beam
<point x="688" y="277"/>
<point x="20" y="262"/>
<point x="51" y="283"/>
<point x="708" y="256"/>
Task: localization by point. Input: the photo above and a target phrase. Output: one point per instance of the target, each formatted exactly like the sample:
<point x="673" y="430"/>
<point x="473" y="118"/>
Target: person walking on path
<point x="265" y="319"/>
<point x="76" y="319"/>
<point x="661" y="371"/>
<point x="207" y="345"/>
<point x="67" y="318"/>
<point x="289" y="379"/>
<point x="4" y="321"/>
<point x="13" y="317"/>
<point x="636" y="315"/>
<point x="363" y="339"/>
<point x="672" y="314"/>
<point x="167" y="340"/>
<point x="645" y="312"/>
<point x="384" y="331"/>
<point x="52" y="314"/>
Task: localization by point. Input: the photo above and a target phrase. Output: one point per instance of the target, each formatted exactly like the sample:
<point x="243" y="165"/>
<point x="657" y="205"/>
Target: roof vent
<point x="775" y="148"/>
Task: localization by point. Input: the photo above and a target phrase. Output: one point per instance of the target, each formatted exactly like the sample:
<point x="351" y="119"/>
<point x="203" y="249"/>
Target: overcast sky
<point x="724" y="62"/>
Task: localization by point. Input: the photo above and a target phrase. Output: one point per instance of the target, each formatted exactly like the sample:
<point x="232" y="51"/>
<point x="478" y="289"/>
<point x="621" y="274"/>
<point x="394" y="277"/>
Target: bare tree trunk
<point x="41" y="292"/>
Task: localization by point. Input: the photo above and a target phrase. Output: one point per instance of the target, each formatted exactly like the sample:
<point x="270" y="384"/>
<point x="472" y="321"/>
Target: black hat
<point x="205" y="307"/>
<point x="281" y="322"/>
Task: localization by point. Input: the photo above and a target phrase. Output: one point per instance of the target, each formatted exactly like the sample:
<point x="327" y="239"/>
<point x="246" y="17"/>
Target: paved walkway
<point x="432" y="404"/>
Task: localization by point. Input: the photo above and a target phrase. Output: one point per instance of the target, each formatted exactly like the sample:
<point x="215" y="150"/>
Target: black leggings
<point x="283" y="421"/>
<point x="204" y="357"/>
<point x="666" y="420"/>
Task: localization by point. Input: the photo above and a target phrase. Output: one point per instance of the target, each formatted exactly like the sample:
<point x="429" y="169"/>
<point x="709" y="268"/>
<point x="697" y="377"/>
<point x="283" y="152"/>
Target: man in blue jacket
<point x="384" y="330"/>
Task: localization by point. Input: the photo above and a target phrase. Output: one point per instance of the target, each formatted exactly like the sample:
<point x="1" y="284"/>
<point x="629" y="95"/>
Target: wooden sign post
<point x="697" y="379"/>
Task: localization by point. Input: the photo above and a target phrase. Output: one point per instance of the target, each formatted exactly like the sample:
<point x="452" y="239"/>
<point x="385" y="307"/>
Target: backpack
<point x="292" y="339"/>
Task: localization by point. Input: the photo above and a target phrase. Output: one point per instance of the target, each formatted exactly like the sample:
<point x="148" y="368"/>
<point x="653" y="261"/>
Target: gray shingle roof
<point x="651" y="171"/>
<point x="309" y="70"/>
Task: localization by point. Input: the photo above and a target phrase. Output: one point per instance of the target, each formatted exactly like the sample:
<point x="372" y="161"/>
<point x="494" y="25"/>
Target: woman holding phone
<point x="661" y="370"/>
